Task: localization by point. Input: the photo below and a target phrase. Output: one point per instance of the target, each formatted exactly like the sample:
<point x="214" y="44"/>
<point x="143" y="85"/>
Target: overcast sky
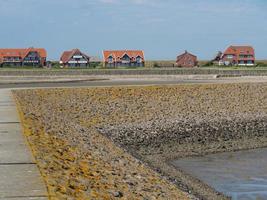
<point x="162" y="28"/>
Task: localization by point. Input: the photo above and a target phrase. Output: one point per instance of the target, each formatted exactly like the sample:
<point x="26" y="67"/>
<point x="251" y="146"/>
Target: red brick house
<point x="116" y="58"/>
<point x="74" y="58"/>
<point x="23" y="57"/>
<point x="238" y="55"/>
<point x="186" y="60"/>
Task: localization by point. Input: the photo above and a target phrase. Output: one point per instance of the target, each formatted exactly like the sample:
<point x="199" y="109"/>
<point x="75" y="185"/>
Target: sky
<point x="162" y="28"/>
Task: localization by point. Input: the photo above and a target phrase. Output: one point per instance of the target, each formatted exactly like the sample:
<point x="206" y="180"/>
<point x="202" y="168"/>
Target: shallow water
<point x="241" y="175"/>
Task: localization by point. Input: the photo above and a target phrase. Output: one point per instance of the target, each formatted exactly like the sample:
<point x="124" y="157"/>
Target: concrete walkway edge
<point x="20" y="177"/>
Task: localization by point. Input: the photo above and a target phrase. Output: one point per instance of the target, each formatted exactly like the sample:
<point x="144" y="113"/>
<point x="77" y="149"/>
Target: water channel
<point x="240" y="175"/>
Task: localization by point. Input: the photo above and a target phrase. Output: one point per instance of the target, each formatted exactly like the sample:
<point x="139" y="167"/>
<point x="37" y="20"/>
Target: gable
<point x="125" y="57"/>
<point x="79" y="56"/>
<point x="187" y="55"/>
<point x="139" y="58"/>
<point x="32" y="54"/>
<point x="73" y="54"/>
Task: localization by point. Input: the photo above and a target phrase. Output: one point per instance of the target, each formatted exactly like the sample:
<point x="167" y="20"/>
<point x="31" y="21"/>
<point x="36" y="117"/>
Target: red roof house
<point x="20" y="57"/>
<point x="74" y="58"/>
<point x="186" y="60"/>
<point x="238" y="55"/>
<point x="115" y="58"/>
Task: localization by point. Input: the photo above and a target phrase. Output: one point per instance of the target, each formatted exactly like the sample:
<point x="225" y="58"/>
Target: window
<point x="126" y="58"/>
<point x="138" y="59"/>
<point x="32" y="56"/>
<point x="245" y="56"/>
<point x="110" y="59"/>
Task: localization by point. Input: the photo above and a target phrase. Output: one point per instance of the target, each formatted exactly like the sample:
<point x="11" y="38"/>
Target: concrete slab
<point x="19" y="177"/>
<point x="6" y="103"/>
<point x="12" y="145"/>
<point x="6" y="98"/>
<point x="8" y="114"/>
<point x="21" y="181"/>
<point x="24" y="198"/>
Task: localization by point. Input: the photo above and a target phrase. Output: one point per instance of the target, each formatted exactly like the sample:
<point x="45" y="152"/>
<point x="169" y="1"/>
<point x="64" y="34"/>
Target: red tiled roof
<point x="233" y="50"/>
<point x="120" y="53"/>
<point x="66" y="55"/>
<point x="21" y="52"/>
<point x="185" y="53"/>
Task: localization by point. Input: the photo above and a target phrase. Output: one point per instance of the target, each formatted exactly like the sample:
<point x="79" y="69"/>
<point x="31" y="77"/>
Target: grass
<point x="155" y="64"/>
<point x="256" y="67"/>
<point x="140" y="68"/>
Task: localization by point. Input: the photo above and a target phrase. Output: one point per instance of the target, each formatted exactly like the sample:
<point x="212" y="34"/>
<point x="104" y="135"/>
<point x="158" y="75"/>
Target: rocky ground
<point x="70" y="132"/>
<point x="75" y="160"/>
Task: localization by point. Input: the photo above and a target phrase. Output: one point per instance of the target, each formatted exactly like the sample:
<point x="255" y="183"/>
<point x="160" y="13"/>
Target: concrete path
<point x="20" y="178"/>
<point x="137" y="81"/>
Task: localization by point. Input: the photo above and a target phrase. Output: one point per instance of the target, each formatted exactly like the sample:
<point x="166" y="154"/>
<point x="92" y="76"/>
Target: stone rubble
<point x="110" y="143"/>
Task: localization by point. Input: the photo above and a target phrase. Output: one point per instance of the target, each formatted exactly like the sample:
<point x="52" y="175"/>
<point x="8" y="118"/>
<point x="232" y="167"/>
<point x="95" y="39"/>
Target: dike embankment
<point x="105" y="72"/>
<point x="125" y="131"/>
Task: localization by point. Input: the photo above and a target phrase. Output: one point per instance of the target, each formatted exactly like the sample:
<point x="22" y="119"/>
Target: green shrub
<point x="208" y="64"/>
<point x="261" y="64"/>
<point x="156" y="65"/>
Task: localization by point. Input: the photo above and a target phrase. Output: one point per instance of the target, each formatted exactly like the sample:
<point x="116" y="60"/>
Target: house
<point x="238" y="55"/>
<point x="186" y="60"/>
<point x="124" y="58"/>
<point x="74" y="58"/>
<point x="23" y="57"/>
